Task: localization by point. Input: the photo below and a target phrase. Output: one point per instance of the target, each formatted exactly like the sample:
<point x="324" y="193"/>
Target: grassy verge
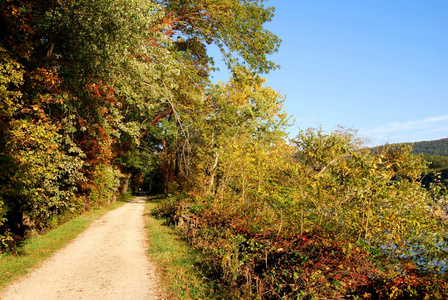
<point x="177" y="263"/>
<point x="36" y="249"/>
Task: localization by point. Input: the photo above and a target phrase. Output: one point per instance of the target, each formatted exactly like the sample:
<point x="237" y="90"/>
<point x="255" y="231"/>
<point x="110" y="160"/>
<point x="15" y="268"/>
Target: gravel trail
<point x="107" y="261"/>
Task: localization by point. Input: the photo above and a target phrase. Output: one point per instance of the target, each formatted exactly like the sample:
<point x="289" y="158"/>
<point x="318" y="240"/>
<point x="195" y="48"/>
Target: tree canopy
<point x="92" y="89"/>
<point x="98" y="97"/>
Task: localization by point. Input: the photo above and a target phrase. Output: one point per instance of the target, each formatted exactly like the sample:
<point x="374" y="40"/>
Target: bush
<point x="326" y="218"/>
<point x="106" y="181"/>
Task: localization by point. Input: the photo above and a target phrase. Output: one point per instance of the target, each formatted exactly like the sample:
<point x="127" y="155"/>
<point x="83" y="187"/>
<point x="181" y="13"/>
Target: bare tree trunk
<point x="211" y="186"/>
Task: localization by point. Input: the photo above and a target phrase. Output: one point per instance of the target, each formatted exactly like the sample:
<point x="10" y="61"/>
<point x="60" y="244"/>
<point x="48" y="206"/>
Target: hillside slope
<point x="437" y="147"/>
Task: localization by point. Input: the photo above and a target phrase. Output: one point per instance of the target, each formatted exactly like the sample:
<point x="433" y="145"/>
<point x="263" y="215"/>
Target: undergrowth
<point x="178" y="264"/>
<point x="252" y="261"/>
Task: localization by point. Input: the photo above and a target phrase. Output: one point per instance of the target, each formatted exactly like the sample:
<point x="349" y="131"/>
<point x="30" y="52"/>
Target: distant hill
<point x="437" y="147"/>
<point x="435" y="152"/>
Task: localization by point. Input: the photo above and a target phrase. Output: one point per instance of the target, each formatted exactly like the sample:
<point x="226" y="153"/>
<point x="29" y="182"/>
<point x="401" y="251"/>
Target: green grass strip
<point x="176" y="261"/>
<point x="37" y="249"/>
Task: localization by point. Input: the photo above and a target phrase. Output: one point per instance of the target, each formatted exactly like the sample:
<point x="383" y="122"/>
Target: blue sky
<point x="380" y="67"/>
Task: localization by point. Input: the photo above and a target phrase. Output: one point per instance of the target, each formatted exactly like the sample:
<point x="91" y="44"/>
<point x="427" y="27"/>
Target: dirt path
<point x="107" y="261"/>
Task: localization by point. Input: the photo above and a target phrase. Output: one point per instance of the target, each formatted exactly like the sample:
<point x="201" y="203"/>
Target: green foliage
<point x="239" y="129"/>
<point x="374" y="199"/>
<point x="105" y="185"/>
<point x="235" y="26"/>
<point x="101" y="86"/>
<point x="437" y="163"/>
<point x="39" y="172"/>
<point x="251" y="263"/>
<point x="178" y="264"/>
<point x="319" y="218"/>
<point x="433" y="148"/>
<point x="11" y="77"/>
<point x="93" y="89"/>
<point x="436" y="178"/>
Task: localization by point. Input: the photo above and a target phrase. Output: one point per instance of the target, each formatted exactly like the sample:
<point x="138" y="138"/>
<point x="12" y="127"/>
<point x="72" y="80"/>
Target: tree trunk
<point x="125" y="185"/>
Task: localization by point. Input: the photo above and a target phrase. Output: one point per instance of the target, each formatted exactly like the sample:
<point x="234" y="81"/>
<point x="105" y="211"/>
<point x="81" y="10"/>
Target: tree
<point x="236" y="27"/>
<point x="73" y="73"/>
<point x="348" y="193"/>
<point x="113" y="88"/>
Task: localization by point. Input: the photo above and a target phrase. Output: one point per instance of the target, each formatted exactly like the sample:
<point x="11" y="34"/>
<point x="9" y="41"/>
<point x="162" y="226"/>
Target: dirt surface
<point x="107" y="261"/>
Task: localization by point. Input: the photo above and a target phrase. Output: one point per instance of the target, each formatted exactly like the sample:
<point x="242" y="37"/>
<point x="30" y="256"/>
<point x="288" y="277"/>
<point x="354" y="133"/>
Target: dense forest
<point x="436" y="154"/>
<point x="434" y="148"/>
<point x="102" y="97"/>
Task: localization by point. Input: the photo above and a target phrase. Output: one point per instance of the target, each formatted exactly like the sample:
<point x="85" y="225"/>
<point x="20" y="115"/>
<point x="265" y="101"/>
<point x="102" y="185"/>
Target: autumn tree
<point x="341" y="187"/>
<point x="108" y="88"/>
<point x="77" y="78"/>
<point x="236" y="27"/>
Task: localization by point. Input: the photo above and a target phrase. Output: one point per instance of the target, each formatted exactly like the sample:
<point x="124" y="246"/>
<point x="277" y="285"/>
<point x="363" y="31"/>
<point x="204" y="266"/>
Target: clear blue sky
<point x="377" y="66"/>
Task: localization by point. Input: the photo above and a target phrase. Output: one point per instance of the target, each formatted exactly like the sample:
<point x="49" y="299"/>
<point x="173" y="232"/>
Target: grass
<point x="177" y="262"/>
<point x="37" y="249"/>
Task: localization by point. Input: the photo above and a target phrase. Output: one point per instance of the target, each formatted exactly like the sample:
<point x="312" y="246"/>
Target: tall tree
<point x="103" y="87"/>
